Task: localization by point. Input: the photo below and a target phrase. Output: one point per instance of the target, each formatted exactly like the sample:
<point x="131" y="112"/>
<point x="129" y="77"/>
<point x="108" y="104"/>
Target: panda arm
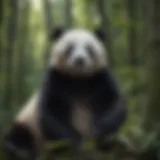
<point x="114" y="107"/>
<point x="48" y="119"/>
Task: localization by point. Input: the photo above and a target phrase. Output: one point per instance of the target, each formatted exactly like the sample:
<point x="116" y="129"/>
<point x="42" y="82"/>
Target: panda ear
<point x="56" y="33"/>
<point x="100" y="34"/>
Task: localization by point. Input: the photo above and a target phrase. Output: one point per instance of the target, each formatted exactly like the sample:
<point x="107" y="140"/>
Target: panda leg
<point x="77" y="145"/>
<point x="110" y="125"/>
<point x="19" y="143"/>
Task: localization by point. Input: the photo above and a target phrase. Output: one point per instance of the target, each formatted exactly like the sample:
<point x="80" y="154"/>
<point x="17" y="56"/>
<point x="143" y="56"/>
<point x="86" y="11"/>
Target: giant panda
<point x="78" y="99"/>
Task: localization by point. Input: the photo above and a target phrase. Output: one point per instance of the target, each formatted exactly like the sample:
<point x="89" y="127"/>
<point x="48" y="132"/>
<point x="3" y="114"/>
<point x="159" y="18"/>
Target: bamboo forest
<point x="132" y="29"/>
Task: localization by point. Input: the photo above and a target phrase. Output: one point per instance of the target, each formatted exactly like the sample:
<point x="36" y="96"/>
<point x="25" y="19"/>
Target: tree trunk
<point x="153" y="108"/>
<point x="106" y="26"/>
<point x="49" y="26"/>
<point x="152" y="114"/>
<point x="2" y="12"/>
<point x="23" y="38"/>
<point x="132" y="32"/>
<point x="145" y="28"/>
<point x="68" y="13"/>
<point x="11" y="39"/>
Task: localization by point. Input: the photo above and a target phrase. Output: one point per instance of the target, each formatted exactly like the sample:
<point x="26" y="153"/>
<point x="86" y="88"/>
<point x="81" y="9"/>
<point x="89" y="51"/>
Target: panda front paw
<point x="106" y="144"/>
<point x="98" y="130"/>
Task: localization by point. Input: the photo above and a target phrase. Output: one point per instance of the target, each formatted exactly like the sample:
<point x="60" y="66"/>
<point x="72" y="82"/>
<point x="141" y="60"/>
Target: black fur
<point x="100" y="89"/>
<point x="17" y="140"/>
<point x="56" y="33"/>
<point x="59" y="31"/>
<point x="100" y="34"/>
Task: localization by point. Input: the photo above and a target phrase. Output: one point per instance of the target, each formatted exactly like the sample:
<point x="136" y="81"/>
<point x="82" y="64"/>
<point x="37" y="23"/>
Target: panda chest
<point x="82" y="117"/>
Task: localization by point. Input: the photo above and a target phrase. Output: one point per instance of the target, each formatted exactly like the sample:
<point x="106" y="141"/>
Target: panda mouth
<point x="80" y="62"/>
<point x="79" y="67"/>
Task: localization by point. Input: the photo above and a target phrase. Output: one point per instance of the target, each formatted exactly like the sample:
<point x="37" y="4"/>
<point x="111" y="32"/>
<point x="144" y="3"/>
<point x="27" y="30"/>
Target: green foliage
<point x="30" y="54"/>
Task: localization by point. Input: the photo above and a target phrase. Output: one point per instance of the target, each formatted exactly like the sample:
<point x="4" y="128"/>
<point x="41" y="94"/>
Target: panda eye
<point x="69" y="50"/>
<point x="90" y="51"/>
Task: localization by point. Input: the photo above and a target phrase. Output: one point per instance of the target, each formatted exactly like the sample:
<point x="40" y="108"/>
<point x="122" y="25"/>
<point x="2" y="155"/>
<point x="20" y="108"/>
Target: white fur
<point x="28" y="116"/>
<point x="79" y="39"/>
<point x="82" y="118"/>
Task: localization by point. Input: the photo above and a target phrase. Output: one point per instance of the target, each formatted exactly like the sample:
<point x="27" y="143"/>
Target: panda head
<point x="78" y="51"/>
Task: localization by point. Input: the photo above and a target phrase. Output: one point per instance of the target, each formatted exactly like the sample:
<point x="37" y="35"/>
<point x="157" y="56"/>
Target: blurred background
<point x="133" y="44"/>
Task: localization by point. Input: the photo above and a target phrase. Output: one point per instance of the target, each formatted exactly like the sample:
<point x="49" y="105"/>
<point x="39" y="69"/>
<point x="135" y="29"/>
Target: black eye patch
<point x="69" y="50"/>
<point x="90" y="50"/>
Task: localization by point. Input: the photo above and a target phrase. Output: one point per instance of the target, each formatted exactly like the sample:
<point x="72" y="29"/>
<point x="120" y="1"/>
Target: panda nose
<point x="79" y="61"/>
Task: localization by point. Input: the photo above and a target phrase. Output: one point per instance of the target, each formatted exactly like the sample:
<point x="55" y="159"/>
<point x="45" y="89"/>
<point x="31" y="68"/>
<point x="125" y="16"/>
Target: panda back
<point x="29" y="110"/>
<point x="28" y="116"/>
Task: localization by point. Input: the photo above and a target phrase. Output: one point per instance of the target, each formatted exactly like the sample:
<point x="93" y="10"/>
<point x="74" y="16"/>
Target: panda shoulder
<point x="29" y="110"/>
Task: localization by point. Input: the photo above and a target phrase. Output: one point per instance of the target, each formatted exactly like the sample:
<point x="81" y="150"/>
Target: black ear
<point x="100" y="34"/>
<point x="56" y="33"/>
